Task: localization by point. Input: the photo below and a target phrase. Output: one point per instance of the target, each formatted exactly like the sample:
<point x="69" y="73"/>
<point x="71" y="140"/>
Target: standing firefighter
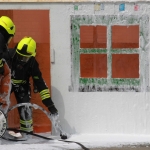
<point x="23" y="66"/>
<point x="7" y="31"/>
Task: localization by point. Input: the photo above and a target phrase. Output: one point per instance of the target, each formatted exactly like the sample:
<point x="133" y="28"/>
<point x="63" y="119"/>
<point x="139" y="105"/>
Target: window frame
<point x="110" y="84"/>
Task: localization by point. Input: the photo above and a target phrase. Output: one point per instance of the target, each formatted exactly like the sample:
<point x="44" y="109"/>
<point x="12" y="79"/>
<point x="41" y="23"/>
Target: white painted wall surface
<point x="89" y="112"/>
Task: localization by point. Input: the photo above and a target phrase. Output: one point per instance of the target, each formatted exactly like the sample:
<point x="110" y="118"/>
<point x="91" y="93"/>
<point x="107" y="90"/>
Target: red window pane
<point x="93" y="65"/>
<point x="93" y="36"/>
<point x="125" y="66"/>
<point x="86" y="36"/>
<point x="125" y="36"/>
<point x="101" y="37"/>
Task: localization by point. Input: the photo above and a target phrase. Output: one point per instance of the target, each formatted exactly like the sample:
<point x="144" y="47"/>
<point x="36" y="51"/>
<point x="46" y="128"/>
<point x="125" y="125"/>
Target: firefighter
<point x="23" y="66"/>
<point x="7" y="31"/>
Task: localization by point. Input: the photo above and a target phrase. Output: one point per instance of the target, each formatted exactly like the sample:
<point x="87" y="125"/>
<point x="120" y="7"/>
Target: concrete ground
<point x="133" y="147"/>
<point x="127" y="148"/>
<point x="92" y="142"/>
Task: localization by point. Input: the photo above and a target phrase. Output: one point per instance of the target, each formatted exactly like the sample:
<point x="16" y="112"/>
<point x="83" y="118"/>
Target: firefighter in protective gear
<point x="7" y="31"/>
<point x="23" y="66"/>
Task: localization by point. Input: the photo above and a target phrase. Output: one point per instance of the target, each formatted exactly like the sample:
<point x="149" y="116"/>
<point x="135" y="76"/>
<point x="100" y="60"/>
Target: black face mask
<point x="22" y="60"/>
<point x="20" y="63"/>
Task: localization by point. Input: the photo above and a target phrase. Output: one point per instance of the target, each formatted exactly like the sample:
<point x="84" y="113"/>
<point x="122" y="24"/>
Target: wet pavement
<point x="133" y="147"/>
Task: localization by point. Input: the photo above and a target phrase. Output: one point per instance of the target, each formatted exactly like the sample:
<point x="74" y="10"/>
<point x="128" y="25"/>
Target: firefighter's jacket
<point x="3" y="49"/>
<point x="20" y="75"/>
<point x="5" y="75"/>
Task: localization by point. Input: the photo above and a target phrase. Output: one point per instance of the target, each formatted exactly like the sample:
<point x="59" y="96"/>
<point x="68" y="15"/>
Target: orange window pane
<point x="86" y="36"/>
<point x="125" y="66"/>
<point x="101" y="36"/>
<point x="125" y="36"/>
<point x="93" y="65"/>
<point x="93" y="36"/>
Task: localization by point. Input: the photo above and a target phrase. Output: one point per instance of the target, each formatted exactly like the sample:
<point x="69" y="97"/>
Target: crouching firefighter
<point x="23" y="66"/>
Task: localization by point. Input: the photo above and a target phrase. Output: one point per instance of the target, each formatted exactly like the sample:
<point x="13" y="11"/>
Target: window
<point x="109" y="53"/>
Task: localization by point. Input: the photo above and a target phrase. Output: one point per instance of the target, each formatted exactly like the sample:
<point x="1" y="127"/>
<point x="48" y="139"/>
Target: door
<point x="34" y="23"/>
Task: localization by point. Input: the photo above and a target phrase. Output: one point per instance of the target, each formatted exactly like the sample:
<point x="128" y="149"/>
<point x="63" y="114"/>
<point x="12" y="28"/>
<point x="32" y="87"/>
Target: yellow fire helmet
<point x="7" y="24"/>
<point x="26" y="47"/>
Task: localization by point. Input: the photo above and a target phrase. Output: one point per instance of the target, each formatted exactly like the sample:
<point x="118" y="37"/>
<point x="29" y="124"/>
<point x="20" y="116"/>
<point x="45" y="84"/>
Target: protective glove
<point x="53" y="110"/>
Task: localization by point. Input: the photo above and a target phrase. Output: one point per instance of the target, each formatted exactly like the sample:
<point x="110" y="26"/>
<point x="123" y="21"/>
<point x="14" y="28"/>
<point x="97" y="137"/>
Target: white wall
<point x="93" y="112"/>
<point x="89" y="112"/>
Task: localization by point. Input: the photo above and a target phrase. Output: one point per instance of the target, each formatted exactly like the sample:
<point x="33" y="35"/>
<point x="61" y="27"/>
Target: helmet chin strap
<point x="20" y="63"/>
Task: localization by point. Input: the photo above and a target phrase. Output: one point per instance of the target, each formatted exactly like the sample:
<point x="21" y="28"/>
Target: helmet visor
<point x="23" y="58"/>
